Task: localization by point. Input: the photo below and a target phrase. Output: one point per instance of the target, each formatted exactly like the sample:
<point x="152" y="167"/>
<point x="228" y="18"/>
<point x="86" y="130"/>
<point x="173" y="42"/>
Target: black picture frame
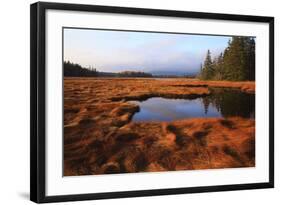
<point x="38" y="100"/>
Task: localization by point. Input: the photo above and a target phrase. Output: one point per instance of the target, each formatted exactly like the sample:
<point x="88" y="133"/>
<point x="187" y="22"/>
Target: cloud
<point x="117" y="51"/>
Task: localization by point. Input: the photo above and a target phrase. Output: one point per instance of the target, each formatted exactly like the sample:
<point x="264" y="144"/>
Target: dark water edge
<point x="222" y="102"/>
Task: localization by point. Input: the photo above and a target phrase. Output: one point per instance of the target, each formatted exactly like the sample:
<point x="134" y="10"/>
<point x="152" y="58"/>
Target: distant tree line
<point x="76" y="70"/>
<point x="134" y="74"/>
<point x="236" y="63"/>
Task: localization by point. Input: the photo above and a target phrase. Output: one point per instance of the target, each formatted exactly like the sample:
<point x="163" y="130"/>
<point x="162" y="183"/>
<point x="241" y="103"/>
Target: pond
<point x="221" y="103"/>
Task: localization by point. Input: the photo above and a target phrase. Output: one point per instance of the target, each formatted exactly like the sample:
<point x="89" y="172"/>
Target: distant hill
<point x="106" y="74"/>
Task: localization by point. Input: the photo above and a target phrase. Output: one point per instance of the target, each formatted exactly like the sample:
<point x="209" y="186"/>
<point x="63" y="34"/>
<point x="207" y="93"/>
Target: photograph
<point x="139" y="101"/>
<point x="146" y="101"/>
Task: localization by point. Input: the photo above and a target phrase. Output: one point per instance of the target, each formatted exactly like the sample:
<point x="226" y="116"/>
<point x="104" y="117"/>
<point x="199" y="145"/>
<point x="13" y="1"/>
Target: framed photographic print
<point x="129" y="102"/>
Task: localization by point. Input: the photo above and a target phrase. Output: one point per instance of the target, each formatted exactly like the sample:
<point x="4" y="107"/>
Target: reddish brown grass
<point x="99" y="137"/>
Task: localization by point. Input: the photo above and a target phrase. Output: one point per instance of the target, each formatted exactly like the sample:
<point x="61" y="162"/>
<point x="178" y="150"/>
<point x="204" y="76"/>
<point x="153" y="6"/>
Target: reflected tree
<point x="231" y="102"/>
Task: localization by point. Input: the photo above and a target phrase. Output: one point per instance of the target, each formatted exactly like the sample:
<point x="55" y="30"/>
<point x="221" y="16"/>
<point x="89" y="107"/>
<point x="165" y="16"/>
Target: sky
<point x="157" y="53"/>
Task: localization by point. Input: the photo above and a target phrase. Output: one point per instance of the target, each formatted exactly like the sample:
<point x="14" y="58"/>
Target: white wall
<point x="14" y="101"/>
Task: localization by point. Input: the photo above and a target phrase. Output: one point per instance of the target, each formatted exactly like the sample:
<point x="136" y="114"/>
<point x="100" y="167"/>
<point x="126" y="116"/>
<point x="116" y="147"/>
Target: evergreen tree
<point x="218" y="68"/>
<point x="240" y="59"/>
<point x="233" y="60"/>
<point x="236" y="63"/>
<point x="76" y="70"/>
<point x="250" y="58"/>
<point x="199" y="75"/>
<point x="208" y="69"/>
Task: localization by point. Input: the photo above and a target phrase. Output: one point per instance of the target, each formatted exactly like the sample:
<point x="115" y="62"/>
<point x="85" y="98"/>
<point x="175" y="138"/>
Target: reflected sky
<point x="161" y="109"/>
<point x="221" y="103"/>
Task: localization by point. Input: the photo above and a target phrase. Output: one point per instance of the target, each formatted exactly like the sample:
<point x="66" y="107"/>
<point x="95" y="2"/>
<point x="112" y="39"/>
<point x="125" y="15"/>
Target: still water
<point x="221" y="103"/>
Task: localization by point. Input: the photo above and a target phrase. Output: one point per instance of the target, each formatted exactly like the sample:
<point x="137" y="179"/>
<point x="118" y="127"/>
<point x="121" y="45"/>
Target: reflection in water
<point x="221" y="103"/>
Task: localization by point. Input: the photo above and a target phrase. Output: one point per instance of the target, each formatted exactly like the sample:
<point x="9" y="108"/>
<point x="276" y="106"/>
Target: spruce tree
<point x="218" y="68"/>
<point x="236" y="63"/>
<point x="233" y="61"/>
<point x="208" y="69"/>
